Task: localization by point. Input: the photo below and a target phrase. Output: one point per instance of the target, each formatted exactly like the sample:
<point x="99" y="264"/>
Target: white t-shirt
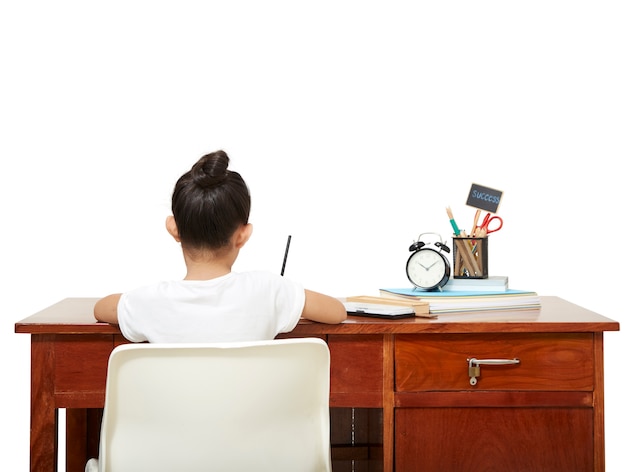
<point x="247" y="306"/>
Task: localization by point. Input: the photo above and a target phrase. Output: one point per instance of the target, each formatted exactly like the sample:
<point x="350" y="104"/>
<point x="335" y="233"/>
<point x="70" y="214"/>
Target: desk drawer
<point x="548" y="362"/>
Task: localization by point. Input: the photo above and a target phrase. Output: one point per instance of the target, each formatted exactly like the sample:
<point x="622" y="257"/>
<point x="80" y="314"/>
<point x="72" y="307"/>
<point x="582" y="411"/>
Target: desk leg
<point x="598" y="431"/>
<point x="388" y="402"/>
<point x="82" y="436"/>
<point x="43" y="414"/>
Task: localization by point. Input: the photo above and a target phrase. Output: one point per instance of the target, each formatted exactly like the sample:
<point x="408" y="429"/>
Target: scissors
<point x="483" y="230"/>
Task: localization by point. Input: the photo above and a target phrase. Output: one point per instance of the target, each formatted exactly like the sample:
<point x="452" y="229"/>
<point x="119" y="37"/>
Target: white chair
<point x="250" y="406"/>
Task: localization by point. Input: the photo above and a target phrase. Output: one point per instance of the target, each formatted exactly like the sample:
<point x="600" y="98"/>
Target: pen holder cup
<point x="471" y="258"/>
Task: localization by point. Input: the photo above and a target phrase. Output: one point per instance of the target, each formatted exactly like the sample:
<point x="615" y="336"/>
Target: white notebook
<point x="378" y="311"/>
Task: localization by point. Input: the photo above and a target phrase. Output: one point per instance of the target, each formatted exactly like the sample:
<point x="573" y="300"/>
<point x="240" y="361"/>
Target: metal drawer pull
<point x="474" y="366"/>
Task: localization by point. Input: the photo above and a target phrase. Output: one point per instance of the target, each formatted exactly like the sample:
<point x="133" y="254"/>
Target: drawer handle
<point x="474" y="366"/>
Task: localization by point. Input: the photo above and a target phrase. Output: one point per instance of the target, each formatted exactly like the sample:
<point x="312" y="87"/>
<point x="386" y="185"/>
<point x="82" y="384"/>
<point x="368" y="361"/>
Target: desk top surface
<point x="75" y="316"/>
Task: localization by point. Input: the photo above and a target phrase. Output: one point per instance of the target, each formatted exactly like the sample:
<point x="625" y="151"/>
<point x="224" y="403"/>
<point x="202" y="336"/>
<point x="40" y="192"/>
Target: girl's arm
<point x="106" y="308"/>
<point x="323" y="308"/>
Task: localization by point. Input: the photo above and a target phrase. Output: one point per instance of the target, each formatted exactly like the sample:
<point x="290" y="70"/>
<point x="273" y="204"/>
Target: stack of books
<point x="453" y="300"/>
<point x="494" y="283"/>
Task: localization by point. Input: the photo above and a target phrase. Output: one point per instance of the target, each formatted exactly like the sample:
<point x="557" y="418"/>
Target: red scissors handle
<point x="484" y="227"/>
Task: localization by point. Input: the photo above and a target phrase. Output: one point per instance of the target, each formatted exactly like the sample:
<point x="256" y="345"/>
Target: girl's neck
<point x="205" y="273"/>
<point x="208" y="265"/>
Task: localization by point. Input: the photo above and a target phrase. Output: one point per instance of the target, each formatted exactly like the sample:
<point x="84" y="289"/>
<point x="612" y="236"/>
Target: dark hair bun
<point x="209" y="203"/>
<point x="211" y="170"/>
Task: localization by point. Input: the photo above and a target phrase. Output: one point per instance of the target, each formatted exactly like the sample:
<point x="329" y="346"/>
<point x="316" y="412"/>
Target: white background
<point x="355" y="123"/>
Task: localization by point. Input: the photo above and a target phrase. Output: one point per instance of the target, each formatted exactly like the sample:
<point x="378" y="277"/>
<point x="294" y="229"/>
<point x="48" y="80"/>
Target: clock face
<point x="427" y="269"/>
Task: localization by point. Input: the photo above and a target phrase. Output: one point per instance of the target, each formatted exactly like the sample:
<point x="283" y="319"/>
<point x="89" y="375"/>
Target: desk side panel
<point x="81" y="369"/>
<point x="356" y="370"/>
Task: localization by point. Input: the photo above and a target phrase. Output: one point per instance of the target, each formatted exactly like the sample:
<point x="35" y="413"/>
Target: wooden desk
<point x="545" y="413"/>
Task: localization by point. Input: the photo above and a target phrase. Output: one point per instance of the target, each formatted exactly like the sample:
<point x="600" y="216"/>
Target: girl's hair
<point x="209" y="203"/>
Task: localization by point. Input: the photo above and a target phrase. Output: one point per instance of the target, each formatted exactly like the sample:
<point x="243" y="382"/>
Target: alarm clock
<point x="428" y="268"/>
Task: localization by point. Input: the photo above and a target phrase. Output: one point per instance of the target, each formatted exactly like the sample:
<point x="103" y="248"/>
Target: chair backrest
<point x="251" y="406"/>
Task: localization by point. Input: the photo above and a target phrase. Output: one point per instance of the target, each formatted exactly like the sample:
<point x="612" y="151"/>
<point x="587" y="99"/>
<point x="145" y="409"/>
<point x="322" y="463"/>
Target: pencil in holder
<point x="471" y="257"/>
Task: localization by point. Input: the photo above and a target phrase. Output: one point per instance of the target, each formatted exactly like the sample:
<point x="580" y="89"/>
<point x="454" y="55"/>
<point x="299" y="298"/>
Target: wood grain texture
<point x="549" y="362"/>
<point x="498" y="439"/>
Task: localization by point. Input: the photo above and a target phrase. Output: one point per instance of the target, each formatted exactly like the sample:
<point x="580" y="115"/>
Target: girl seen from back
<point x="210" y="210"/>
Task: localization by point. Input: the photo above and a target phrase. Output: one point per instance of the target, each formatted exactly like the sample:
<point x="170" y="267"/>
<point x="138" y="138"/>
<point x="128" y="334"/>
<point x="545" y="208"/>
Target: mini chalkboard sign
<point x="484" y="198"/>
